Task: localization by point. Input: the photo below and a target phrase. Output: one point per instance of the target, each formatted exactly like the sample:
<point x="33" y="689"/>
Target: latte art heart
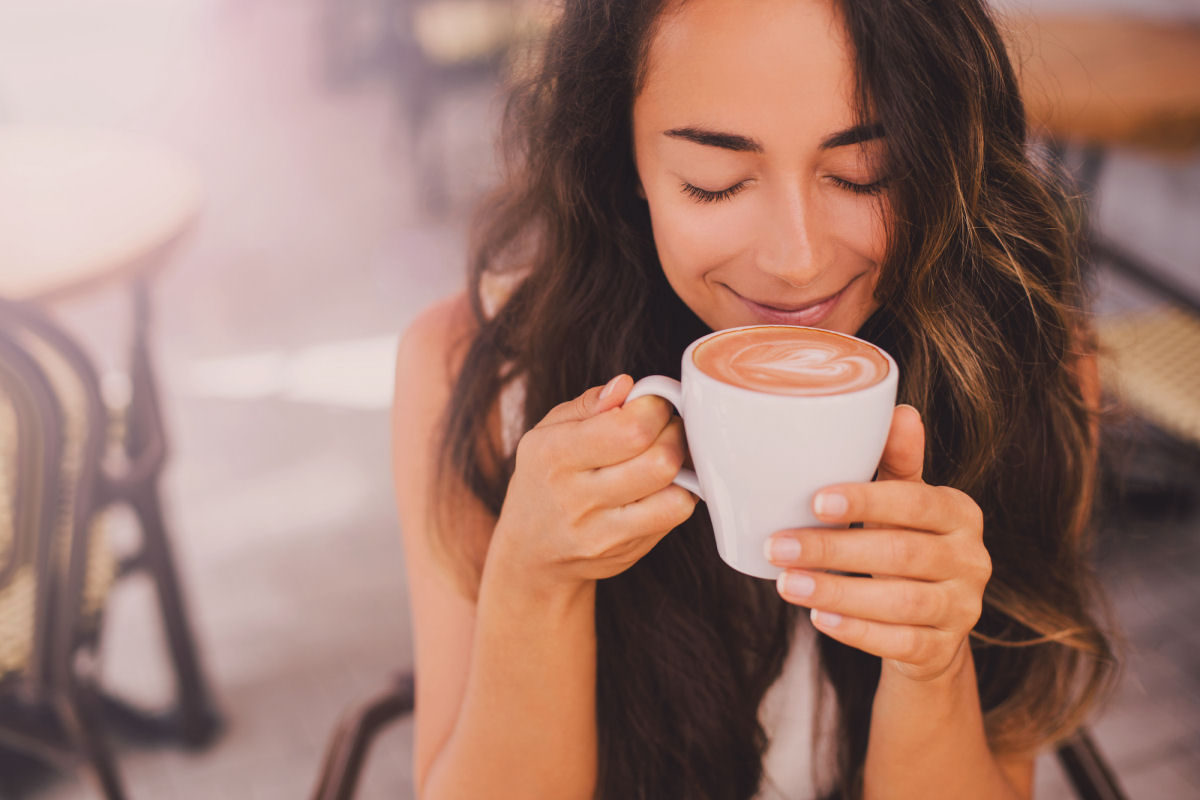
<point x="791" y="360"/>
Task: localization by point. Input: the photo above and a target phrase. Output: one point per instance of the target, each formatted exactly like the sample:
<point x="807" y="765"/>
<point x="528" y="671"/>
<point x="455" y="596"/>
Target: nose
<point x="788" y="241"/>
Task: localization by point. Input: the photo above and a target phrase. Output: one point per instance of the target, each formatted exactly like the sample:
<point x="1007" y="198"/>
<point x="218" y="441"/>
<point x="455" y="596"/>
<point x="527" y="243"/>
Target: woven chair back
<point x="30" y="453"/>
<point x="80" y="564"/>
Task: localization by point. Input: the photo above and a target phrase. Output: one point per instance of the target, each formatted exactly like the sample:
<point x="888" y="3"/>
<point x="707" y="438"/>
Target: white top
<point x="787" y="709"/>
<point x="786" y="714"/>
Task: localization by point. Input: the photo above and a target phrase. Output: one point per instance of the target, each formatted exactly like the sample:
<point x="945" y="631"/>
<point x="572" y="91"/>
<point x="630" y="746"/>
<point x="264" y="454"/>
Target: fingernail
<point x="830" y="504"/>
<point x="914" y="408"/>
<point x="795" y="585"/>
<point x="783" y="548"/>
<point x="826" y="619"/>
<point x="608" y="387"/>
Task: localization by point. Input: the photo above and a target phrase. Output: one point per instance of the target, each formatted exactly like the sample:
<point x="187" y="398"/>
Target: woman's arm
<point x="927" y="737"/>
<point x="505" y="701"/>
<point x="924" y="548"/>
<point x="505" y="688"/>
<point x="927" y="740"/>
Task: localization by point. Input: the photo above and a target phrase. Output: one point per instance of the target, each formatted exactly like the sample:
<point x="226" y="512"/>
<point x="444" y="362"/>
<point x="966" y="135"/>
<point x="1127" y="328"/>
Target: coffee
<point x="818" y="414"/>
<point x="791" y="360"/>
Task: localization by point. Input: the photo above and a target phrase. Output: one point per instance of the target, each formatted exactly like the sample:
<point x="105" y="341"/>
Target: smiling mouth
<point x="808" y="314"/>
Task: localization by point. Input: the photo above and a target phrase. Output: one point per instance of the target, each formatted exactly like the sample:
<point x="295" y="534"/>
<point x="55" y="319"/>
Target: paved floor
<point x="275" y="331"/>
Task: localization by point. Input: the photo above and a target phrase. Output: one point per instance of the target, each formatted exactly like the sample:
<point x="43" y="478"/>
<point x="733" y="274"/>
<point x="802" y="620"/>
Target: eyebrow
<point x="728" y="141"/>
<point x="745" y="144"/>
<point x="856" y="135"/>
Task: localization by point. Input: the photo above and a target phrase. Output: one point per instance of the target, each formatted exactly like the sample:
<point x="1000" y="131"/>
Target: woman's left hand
<point x="923" y="550"/>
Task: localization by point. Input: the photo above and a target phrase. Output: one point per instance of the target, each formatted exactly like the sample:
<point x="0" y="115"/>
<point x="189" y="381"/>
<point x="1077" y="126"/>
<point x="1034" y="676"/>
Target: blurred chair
<point x="82" y="565"/>
<point x="1153" y="363"/>
<point x="83" y="210"/>
<point x="355" y="732"/>
<point x="447" y="46"/>
<point x="1090" y="775"/>
<point x="137" y="437"/>
<point x="1093" y="83"/>
<point x="56" y="571"/>
<point x="429" y="50"/>
<point x="1088" y="772"/>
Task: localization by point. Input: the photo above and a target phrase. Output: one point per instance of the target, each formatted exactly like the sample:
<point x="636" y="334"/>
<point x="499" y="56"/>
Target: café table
<point x="1098" y="82"/>
<point x="1094" y="83"/>
<point x="89" y="210"/>
<point x="83" y="209"/>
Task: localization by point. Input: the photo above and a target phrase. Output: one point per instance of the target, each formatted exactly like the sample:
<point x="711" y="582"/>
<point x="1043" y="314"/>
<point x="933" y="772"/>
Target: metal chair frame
<point x="37" y="475"/>
<point x="1089" y="773"/>
<point x="354" y="735"/>
<point x="194" y="720"/>
<point x="54" y="710"/>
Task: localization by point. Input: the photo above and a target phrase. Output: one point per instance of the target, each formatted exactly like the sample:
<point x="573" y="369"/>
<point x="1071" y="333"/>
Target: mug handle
<point x="670" y="390"/>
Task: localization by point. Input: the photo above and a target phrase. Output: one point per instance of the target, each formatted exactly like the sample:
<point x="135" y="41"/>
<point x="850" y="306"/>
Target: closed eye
<point x="860" y="188"/>
<point x="705" y="196"/>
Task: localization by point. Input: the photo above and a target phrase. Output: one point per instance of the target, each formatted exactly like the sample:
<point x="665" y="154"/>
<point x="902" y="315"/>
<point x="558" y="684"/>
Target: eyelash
<point x="705" y="196"/>
<point x="860" y="188"/>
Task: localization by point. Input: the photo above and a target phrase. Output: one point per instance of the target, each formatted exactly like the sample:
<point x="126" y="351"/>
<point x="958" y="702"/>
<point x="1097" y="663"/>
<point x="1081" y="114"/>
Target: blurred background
<point x="235" y="206"/>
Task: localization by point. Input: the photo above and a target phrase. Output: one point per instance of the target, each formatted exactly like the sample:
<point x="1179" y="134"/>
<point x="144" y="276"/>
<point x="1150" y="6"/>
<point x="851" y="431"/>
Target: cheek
<point x="861" y="228"/>
<point x="862" y="231"/>
<point x="693" y="239"/>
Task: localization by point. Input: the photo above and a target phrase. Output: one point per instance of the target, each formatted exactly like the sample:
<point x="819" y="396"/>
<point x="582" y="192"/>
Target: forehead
<point x="751" y="66"/>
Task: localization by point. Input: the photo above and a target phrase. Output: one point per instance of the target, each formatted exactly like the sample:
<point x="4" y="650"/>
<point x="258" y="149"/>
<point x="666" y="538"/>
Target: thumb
<point x="594" y="401"/>
<point x="904" y="454"/>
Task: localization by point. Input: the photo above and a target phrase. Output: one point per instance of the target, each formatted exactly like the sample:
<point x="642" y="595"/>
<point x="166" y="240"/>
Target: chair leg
<point x="347" y="749"/>
<point x="1089" y="773"/>
<point x="81" y="719"/>
<point x="198" y="719"/>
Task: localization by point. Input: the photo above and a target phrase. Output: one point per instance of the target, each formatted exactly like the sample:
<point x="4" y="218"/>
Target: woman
<point x="682" y="167"/>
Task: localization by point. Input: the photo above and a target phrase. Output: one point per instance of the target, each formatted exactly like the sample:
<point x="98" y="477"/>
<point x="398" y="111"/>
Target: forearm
<point x="527" y="726"/>
<point x="927" y="739"/>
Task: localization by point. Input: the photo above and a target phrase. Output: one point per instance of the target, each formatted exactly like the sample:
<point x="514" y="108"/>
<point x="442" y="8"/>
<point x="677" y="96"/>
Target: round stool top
<point x="80" y="208"/>
<point x="1110" y="80"/>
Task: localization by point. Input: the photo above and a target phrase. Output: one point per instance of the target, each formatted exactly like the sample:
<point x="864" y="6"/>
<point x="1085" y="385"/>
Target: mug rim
<point x="689" y="366"/>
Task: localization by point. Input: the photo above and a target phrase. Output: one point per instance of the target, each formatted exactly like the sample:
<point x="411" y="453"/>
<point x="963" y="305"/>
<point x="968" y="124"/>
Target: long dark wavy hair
<point x="981" y="306"/>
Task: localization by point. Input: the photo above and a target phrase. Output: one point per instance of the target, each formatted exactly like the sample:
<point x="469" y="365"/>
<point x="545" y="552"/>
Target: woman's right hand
<point x="592" y="490"/>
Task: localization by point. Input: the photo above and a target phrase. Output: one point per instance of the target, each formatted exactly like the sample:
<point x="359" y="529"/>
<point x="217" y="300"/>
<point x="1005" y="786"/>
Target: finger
<point x="878" y="551"/>
<point x="594" y="401"/>
<point x="904" y="454"/>
<point x="642" y="475"/>
<point x="655" y="515"/>
<point x="897" y="503"/>
<point x="620" y="433"/>
<point x="616" y="435"/>
<point x="892" y="600"/>
<point x="910" y="644"/>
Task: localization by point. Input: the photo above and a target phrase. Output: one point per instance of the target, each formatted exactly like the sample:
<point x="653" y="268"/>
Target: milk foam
<point x="791" y="361"/>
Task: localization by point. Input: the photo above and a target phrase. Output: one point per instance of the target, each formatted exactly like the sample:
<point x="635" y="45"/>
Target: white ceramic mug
<point x="761" y="457"/>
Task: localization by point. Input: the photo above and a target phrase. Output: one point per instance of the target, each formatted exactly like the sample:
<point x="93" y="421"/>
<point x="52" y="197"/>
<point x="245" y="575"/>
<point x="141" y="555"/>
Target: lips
<point x="810" y="314"/>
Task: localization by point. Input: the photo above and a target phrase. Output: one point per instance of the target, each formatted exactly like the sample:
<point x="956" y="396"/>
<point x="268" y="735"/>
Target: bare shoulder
<point x="428" y="347"/>
<point x="427" y="362"/>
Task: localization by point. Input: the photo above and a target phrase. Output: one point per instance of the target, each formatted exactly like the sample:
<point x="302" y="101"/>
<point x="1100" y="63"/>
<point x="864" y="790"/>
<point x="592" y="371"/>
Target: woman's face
<point x="764" y="196"/>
